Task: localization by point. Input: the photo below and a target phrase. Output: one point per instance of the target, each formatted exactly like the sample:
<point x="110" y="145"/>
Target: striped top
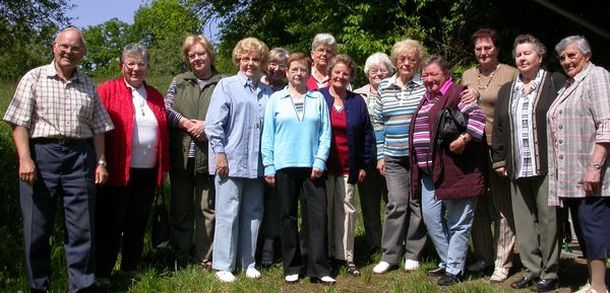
<point x="392" y="115"/>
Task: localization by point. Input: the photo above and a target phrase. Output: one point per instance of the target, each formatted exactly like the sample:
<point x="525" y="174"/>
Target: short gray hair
<point x="74" y="29"/>
<point x="135" y="49"/>
<point x="529" y="39"/>
<point x="324" y="39"/>
<point x="376" y="59"/>
<point x="581" y="43"/>
<point x="278" y="54"/>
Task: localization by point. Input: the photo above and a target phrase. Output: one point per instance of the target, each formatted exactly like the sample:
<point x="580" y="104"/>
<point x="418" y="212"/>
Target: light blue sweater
<point x="289" y="142"/>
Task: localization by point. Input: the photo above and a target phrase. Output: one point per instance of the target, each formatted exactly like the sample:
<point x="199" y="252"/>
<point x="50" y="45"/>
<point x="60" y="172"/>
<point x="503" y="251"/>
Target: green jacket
<point x="192" y="103"/>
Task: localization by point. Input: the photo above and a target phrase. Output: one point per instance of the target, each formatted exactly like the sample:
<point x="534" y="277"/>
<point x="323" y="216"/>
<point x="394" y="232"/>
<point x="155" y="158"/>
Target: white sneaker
<point x="381" y="267"/>
<point x="411" y="265"/>
<point x="328" y="280"/>
<point x="225" y="277"/>
<point x="292" y="278"/>
<point x="477" y="266"/>
<point x="253" y="273"/>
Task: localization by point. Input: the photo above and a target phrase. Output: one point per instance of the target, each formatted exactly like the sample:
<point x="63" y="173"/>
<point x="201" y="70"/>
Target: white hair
<point x="376" y="59"/>
<point x="324" y="39"/>
<point x="581" y="43"/>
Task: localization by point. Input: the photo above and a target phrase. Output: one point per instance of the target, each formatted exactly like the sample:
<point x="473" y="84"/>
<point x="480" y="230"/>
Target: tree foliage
<point x="104" y="45"/>
<point x="26" y="27"/>
<point x="364" y="27"/>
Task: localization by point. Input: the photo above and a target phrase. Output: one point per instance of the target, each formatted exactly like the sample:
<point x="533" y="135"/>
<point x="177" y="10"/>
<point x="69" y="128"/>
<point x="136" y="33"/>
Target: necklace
<point x="491" y="76"/>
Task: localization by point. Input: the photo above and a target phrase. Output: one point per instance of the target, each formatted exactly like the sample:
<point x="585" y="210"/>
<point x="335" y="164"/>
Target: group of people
<point x="287" y="136"/>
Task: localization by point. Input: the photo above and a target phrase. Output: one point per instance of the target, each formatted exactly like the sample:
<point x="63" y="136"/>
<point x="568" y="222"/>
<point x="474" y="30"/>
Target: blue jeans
<point x="239" y="212"/>
<point x="449" y="223"/>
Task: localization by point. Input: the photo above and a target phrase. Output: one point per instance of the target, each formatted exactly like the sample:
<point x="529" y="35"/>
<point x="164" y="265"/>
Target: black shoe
<point x="547" y="285"/>
<point x="435" y="272"/>
<point x="523" y="282"/>
<point x="449" y="279"/>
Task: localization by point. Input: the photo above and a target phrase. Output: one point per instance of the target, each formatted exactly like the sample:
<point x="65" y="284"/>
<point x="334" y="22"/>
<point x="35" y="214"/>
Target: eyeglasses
<point x="324" y="51"/>
<point x="295" y="70"/>
<point x="71" y="49"/>
<point x="250" y="59"/>
<point x="405" y="59"/>
<point x="132" y="65"/>
<point x="194" y="55"/>
<point x="375" y="70"/>
<point x="433" y="75"/>
<point x="483" y="49"/>
<point x="277" y="66"/>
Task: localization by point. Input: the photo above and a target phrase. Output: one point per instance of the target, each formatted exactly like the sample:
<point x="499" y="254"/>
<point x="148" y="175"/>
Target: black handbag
<point x="451" y="124"/>
<point x="160" y="222"/>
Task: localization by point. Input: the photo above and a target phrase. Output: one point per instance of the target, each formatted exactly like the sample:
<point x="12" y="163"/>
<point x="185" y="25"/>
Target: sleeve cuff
<point x="320" y="164"/>
<point x="499" y="164"/>
<point x="269" y="170"/>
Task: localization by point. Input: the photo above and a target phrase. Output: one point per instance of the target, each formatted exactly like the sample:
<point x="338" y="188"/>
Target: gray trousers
<point x="403" y="217"/>
<point x="536" y="224"/>
<point x="64" y="172"/>
<point x="191" y="213"/>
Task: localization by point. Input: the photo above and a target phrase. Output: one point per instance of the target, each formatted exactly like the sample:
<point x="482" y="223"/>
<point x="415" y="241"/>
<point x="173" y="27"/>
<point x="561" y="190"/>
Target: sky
<point x="94" y="12"/>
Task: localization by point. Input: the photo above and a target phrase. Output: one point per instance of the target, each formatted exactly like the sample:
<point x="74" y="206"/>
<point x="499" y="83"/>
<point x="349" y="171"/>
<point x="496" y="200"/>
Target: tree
<point x="26" y="29"/>
<point x="162" y="26"/>
<point x="104" y="45"/>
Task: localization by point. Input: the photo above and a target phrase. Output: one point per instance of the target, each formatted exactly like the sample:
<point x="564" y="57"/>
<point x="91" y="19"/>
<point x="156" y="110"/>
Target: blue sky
<point x="94" y="12"/>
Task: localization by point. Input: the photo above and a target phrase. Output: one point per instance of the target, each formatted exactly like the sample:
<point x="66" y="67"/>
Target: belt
<point x="61" y="140"/>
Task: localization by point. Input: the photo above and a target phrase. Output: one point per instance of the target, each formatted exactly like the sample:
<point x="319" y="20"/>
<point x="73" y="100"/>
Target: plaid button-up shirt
<point x="578" y="119"/>
<point x="48" y="107"/>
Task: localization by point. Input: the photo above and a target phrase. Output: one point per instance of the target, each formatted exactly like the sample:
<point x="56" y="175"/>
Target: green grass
<point x="158" y="275"/>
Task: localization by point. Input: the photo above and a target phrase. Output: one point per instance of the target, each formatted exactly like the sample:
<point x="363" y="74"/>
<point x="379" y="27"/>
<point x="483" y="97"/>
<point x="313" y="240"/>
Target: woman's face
<point x="486" y="51"/>
<point x="434" y="78"/>
<point x="527" y="59"/>
<point x="407" y="62"/>
<point x="297" y="73"/>
<point x="340" y="76"/>
<point x="573" y="60"/>
<point x="134" y="69"/>
<point x="199" y="60"/>
<point x="377" y="73"/>
<point x="276" y="70"/>
<point x="322" y="54"/>
<point x="250" y="64"/>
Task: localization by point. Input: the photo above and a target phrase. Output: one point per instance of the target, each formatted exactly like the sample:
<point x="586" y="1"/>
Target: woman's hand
<point x="222" y="165"/>
<point x="361" y="176"/>
<point x="470" y="96"/>
<point x="381" y="167"/>
<point x="316" y="173"/>
<point x="196" y="129"/>
<point x="459" y="144"/>
<point x="101" y="174"/>
<point x="502" y="171"/>
<point x="270" y="179"/>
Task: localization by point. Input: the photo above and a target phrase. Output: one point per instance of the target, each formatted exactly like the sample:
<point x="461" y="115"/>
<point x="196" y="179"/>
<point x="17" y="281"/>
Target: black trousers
<point x="291" y="184"/>
<point x="122" y="216"/>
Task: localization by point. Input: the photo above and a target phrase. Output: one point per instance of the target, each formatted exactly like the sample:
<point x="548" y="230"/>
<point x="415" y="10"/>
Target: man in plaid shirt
<point x="58" y="127"/>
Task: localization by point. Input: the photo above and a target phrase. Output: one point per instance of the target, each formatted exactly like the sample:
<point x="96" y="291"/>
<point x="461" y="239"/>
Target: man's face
<point x="68" y="49"/>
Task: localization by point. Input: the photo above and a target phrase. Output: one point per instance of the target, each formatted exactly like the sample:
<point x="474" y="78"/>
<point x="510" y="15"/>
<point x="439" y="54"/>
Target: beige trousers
<point x="341" y="217"/>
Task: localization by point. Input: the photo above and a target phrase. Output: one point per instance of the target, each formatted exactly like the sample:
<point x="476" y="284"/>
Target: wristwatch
<point x="595" y="165"/>
<point x="102" y="163"/>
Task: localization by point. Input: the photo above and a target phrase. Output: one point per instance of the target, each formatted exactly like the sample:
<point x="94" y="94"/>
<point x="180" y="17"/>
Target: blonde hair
<point x="252" y="45"/>
<point x="278" y="55"/>
<point x="191" y="40"/>
<point x="407" y="44"/>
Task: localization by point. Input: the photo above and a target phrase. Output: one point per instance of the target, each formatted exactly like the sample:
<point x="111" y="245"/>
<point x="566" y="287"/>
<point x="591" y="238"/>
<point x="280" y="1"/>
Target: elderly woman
<point x="373" y="189"/>
<point x="275" y="78"/>
<point x="234" y="123"/>
<point x="485" y="80"/>
<point x="449" y="174"/>
<point x="399" y="96"/>
<point x="323" y="48"/>
<point x="192" y="188"/>
<point x="275" y="75"/>
<point x="520" y="154"/>
<point x="579" y="138"/>
<point x="296" y="116"/>
<point x="351" y="150"/>
<point x="137" y="158"/>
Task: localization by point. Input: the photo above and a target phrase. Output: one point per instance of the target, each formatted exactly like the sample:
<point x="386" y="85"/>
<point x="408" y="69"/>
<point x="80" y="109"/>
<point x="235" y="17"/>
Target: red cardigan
<point x="117" y="98"/>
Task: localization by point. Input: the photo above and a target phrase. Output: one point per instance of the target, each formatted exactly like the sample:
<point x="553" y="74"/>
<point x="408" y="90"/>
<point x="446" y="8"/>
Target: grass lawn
<point x="159" y="275"/>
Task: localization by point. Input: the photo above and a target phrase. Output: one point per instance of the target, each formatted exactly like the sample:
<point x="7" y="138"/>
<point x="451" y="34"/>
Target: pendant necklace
<point x="491" y="76"/>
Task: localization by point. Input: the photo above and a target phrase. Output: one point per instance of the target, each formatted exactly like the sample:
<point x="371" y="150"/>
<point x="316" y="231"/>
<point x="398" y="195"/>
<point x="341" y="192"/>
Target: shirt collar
<point x="247" y="82"/>
<point x="535" y="83"/>
<point x="581" y="75"/>
<point x="415" y="80"/>
<point x="51" y="71"/>
<point x="284" y="93"/>
<point x="444" y="89"/>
